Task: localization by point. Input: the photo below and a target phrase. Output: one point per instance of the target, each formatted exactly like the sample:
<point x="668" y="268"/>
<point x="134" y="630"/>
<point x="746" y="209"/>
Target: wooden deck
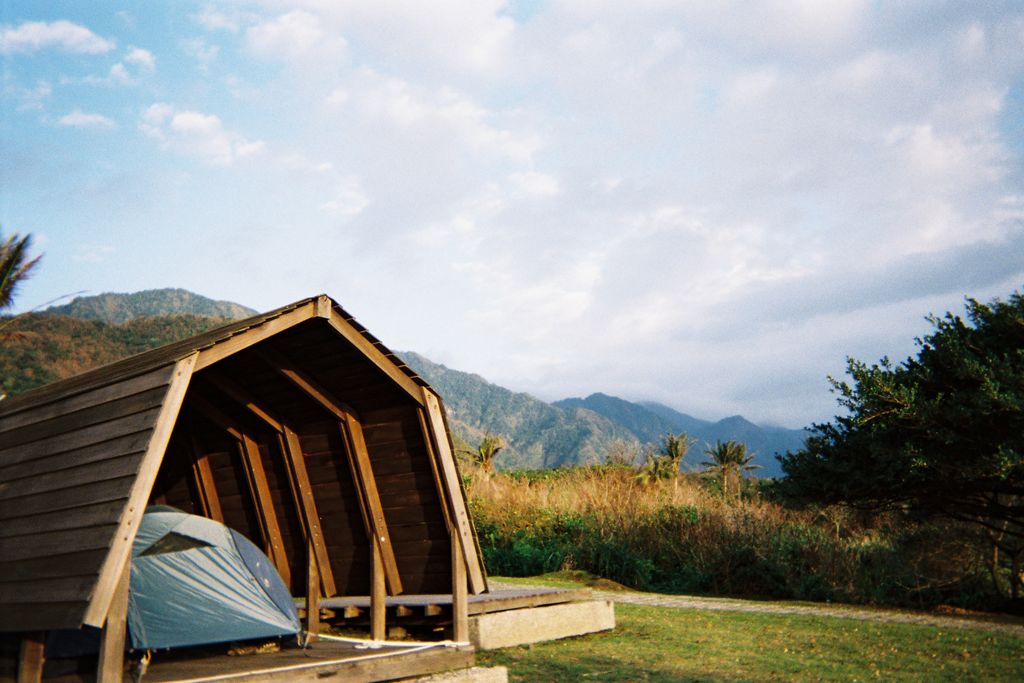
<point x="323" y="659"/>
<point x="420" y="608"/>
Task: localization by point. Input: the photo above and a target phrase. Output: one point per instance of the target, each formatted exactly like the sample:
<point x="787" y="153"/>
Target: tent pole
<point x="377" y="595"/>
<point x="110" y="668"/>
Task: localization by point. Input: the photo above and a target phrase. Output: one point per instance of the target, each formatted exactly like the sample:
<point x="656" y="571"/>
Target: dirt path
<point x="994" y="623"/>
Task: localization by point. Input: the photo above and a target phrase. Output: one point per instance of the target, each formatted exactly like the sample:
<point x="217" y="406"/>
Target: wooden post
<point x="202" y="475"/>
<point x="378" y="596"/>
<point x="110" y="668"/>
<point x="312" y="593"/>
<point x="460" y="602"/>
<point x="32" y="657"/>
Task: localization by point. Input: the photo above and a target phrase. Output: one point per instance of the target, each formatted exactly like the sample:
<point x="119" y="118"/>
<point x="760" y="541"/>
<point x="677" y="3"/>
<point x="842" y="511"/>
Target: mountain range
<point x="93" y="330"/>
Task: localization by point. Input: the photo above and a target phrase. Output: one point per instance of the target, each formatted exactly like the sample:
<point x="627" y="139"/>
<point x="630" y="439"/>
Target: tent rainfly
<point x="296" y="428"/>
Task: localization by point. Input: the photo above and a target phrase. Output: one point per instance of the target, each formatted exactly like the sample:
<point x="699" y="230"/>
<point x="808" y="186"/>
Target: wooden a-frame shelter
<point x="296" y="427"/>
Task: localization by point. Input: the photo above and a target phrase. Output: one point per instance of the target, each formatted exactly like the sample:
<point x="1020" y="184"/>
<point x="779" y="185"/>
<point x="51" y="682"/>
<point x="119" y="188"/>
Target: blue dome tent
<point x="195" y="581"/>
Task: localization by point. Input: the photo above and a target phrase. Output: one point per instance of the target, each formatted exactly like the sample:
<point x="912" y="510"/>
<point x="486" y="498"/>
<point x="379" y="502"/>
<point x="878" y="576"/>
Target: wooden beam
<point x="378" y="599"/>
<point x="312" y="593"/>
<point x="32" y="657"/>
<point x="375" y="355"/>
<point x="202" y="474"/>
<point x="460" y="600"/>
<point x="128" y="525"/>
<point x="359" y="459"/>
<point x="298" y="477"/>
<point x="304" y="492"/>
<point x="111" y="662"/>
<point x="247" y="338"/>
<point x="256" y="477"/>
<point x="265" y="511"/>
<point x="463" y="527"/>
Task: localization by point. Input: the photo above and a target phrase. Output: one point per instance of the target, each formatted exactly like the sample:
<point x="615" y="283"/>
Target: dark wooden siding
<point x="67" y="466"/>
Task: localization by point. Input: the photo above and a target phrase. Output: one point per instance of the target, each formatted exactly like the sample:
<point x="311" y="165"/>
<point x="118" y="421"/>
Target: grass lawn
<point x="666" y="644"/>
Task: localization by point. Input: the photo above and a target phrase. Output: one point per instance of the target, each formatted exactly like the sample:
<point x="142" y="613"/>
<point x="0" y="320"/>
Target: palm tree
<point x="729" y="460"/>
<point x="15" y="266"/>
<point x="665" y="463"/>
<point x="487" y="451"/>
<point x="674" y="448"/>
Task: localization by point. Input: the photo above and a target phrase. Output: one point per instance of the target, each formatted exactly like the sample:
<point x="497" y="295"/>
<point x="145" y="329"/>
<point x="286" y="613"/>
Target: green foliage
<point x="940" y="434"/>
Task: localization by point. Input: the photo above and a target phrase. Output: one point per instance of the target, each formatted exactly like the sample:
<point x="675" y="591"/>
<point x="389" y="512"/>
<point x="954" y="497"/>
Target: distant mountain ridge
<point x="89" y="331"/>
<point x="116" y="308"/>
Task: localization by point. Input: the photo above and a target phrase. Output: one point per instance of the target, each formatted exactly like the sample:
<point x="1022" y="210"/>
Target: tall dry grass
<point x="679" y="535"/>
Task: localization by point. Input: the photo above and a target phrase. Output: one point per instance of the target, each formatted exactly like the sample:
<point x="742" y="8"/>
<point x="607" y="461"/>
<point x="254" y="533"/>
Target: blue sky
<point x="705" y="204"/>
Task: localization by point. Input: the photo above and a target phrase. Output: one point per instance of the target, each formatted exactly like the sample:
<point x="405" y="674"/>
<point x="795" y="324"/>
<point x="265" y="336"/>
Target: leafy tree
<point x="15" y="266"/>
<point x="939" y="434"/>
<point x="729" y="461"/>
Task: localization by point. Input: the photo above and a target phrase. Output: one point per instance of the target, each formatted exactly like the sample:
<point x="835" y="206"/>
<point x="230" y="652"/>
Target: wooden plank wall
<point x="66" y="470"/>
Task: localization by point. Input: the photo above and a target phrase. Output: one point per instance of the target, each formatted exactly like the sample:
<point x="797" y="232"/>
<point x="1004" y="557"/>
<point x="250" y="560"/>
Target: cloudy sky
<point x="705" y="204"/>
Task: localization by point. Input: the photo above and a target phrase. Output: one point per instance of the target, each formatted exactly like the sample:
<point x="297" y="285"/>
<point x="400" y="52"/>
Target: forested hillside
<point x="537" y="434"/>
<point x="38" y="348"/>
<point x="120" y="308"/>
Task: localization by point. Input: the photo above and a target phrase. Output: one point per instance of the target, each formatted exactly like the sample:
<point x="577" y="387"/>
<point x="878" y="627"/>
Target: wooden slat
<point x="41" y="591"/>
<point x="122" y="445"/>
<point x="140" y="491"/>
<point x="114" y="489"/>
<point x="106" y="512"/>
<point x="60" y="564"/>
<point x="123" y="466"/>
<point x="243" y="398"/>
<point x="87" y="417"/>
<point x="55" y="542"/>
<point x="31" y="657"/>
<point x="222" y="350"/>
<point x="111" y="660"/>
<point x="437" y="434"/>
<point x="375" y="355"/>
<point x="67" y="404"/>
<point x="118" y="426"/>
<point x="34" y="617"/>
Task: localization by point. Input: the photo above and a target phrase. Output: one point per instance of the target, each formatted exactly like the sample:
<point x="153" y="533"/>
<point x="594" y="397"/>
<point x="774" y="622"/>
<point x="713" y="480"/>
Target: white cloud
<point x="199" y="135"/>
<point x="350" y="198"/>
<point x="142" y="58"/>
<point x="32" y="36"/>
<point x="446" y="112"/>
<point x="80" y="119"/>
<point x="213" y="19"/>
<point x="535" y="184"/>
<point x="297" y="35"/>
